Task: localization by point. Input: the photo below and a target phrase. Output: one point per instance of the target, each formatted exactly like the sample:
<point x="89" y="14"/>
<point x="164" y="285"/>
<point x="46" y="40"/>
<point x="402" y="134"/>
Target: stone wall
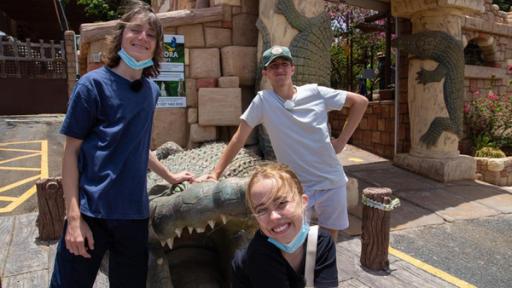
<point x="376" y="131"/>
<point x="220" y="67"/>
<point x="496" y="171"/>
<point x="492" y="31"/>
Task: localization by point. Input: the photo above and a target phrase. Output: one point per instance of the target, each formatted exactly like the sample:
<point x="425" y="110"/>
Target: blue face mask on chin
<point x="134" y="64"/>
<point x="296" y="242"/>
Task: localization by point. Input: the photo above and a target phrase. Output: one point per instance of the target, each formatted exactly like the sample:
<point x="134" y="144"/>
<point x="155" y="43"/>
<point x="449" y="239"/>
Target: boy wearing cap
<point x="296" y="120"/>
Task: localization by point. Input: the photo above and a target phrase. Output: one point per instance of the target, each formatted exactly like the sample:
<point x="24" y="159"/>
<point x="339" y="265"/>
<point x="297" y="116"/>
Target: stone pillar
<point x="71" y="71"/>
<point x="280" y="31"/>
<point x="442" y="160"/>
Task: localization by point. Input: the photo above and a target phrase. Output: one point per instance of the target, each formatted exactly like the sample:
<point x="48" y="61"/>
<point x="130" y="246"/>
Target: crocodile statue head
<point x="195" y="228"/>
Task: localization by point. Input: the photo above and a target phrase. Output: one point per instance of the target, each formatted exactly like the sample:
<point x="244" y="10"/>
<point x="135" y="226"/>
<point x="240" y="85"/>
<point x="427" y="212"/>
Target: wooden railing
<point x="32" y="60"/>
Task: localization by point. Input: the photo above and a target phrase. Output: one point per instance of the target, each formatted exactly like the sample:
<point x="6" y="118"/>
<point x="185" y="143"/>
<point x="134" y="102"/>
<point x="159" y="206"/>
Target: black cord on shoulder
<point x="136" y="85"/>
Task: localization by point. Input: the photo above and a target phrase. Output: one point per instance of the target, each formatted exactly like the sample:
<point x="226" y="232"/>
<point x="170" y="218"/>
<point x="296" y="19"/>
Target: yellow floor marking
<point x="19" y="183"/>
<point x="19" y="200"/>
<point x="430" y="269"/>
<point x="354" y="159"/>
<point x="20" y="157"/>
<point x="20" y="142"/>
<point x="19" y="168"/>
<point x="44" y="159"/>
<point x="43" y="169"/>
<point x="8" y="198"/>
<point x="18" y="150"/>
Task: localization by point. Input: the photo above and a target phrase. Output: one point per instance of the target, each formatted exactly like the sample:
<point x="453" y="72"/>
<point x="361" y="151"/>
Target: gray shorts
<point x="329" y="206"/>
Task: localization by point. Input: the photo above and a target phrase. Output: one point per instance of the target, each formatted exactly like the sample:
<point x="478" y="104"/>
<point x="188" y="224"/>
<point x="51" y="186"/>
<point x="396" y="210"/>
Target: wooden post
<point x="375" y="228"/>
<point x="50" y="199"/>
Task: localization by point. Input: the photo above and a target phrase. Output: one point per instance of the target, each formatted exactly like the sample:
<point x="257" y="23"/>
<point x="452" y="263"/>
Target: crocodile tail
<point x="297" y="20"/>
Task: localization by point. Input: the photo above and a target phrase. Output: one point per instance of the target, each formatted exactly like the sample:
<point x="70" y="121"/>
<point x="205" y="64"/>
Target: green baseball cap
<point x="274" y="52"/>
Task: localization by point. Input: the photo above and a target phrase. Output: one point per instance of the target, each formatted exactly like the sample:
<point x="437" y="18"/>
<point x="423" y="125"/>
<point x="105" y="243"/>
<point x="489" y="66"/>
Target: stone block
<point x="250" y="6"/>
<point x="169" y="30"/>
<point x="220" y="106"/>
<point x="228" y="13"/>
<point x="245" y="32"/>
<point x="247" y="96"/>
<point x="187" y="56"/>
<point x="194" y="36"/>
<point x="440" y="169"/>
<point x="213" y="24"/>
<point x="496" y="165"/>
<point x="205" y="63"/>
<point x="200" y="133"/>
<point x="229" y="82"/>
<point x="206" y="83"/>
<point x="191" y="91"/>
<point x="169" y="124"/>
<point x="239" y="61"/>
<point x="227" y="24"/>
<point x="192" y="115"/>
<point x="217" y="37"/>
<point x="236" y="10"/>
<point x="226" y="2"/>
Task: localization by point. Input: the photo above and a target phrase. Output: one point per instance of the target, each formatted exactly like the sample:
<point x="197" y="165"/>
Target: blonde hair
<point x="135" y="8"/>
<point x="286" y="184"/>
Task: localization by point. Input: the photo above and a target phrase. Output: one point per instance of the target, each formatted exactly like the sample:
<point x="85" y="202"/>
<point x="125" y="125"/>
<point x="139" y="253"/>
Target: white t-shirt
<point x="299" y="133"/>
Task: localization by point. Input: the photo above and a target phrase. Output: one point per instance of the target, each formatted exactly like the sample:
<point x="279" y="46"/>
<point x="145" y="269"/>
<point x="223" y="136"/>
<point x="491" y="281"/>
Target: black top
<point x="261" y="264"/>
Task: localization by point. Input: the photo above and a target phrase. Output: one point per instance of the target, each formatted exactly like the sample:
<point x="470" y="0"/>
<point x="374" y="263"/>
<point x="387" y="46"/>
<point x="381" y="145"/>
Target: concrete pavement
<point x="461" y="229"/>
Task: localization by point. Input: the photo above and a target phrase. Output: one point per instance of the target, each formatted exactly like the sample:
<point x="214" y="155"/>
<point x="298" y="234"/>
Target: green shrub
<point x="490" y="152"/>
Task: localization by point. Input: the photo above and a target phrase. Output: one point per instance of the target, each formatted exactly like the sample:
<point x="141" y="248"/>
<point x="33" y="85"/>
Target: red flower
<point x="492" y="96"/>
<point x="466" y="107"/>
<point x="509" y="69"/>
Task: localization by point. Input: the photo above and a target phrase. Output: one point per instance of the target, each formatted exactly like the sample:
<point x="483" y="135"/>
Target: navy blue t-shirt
<point x="114" y="123"/>
<point x="262" y="264"/>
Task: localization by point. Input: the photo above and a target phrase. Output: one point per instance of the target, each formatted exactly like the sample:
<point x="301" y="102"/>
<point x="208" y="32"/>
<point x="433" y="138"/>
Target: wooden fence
<point x="32" y="59"/>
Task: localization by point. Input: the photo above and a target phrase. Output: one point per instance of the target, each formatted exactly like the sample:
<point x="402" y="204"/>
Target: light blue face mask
<point x="296" y="242"/>
<point x="134" y="64"/>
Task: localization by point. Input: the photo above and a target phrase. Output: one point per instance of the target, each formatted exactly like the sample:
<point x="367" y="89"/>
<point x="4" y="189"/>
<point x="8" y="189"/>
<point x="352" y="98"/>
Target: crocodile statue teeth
<point x="449" y="53"/>
<point x="195" y="228"/>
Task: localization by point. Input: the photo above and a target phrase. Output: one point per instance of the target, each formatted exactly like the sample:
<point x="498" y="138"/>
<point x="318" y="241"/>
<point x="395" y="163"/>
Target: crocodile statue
<point x="195" y="228"/>
<point x="310" y="49"/>
<point x="449" y="53"/>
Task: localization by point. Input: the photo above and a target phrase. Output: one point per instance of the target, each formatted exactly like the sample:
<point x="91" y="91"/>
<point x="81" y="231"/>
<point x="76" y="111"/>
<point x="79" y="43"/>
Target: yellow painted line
<point x="16" y="201"/>
<point x="430" y="269"/>
<point x="354" y="159"/>
<point x="19" y="200"/>
<point x="44" y="159"/>
<point x="19" y="168"/>
<point x="20" y="142"/>
<point x="20" y="157"/>
<point x="18" y="183"/>
<point x="8" y="198"/>
<point x="19" y="150"/>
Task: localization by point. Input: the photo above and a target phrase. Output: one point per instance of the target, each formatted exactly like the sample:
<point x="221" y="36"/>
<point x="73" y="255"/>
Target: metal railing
<point x="32" y="59"/>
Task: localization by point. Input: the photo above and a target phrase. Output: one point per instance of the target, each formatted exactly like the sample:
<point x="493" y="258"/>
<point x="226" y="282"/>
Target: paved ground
<point x="444" y="235"/>
<point x="30" y="149"/>
<point x="462" y="229"/>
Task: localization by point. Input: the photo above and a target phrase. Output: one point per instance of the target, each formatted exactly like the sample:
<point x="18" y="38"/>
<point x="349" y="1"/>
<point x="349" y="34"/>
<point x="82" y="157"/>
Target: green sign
<point x="171" y="80"/>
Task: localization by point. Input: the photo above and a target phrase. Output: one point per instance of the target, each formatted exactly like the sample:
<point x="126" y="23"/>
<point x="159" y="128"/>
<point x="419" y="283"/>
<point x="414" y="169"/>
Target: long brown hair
<point x="135" y="8"/>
